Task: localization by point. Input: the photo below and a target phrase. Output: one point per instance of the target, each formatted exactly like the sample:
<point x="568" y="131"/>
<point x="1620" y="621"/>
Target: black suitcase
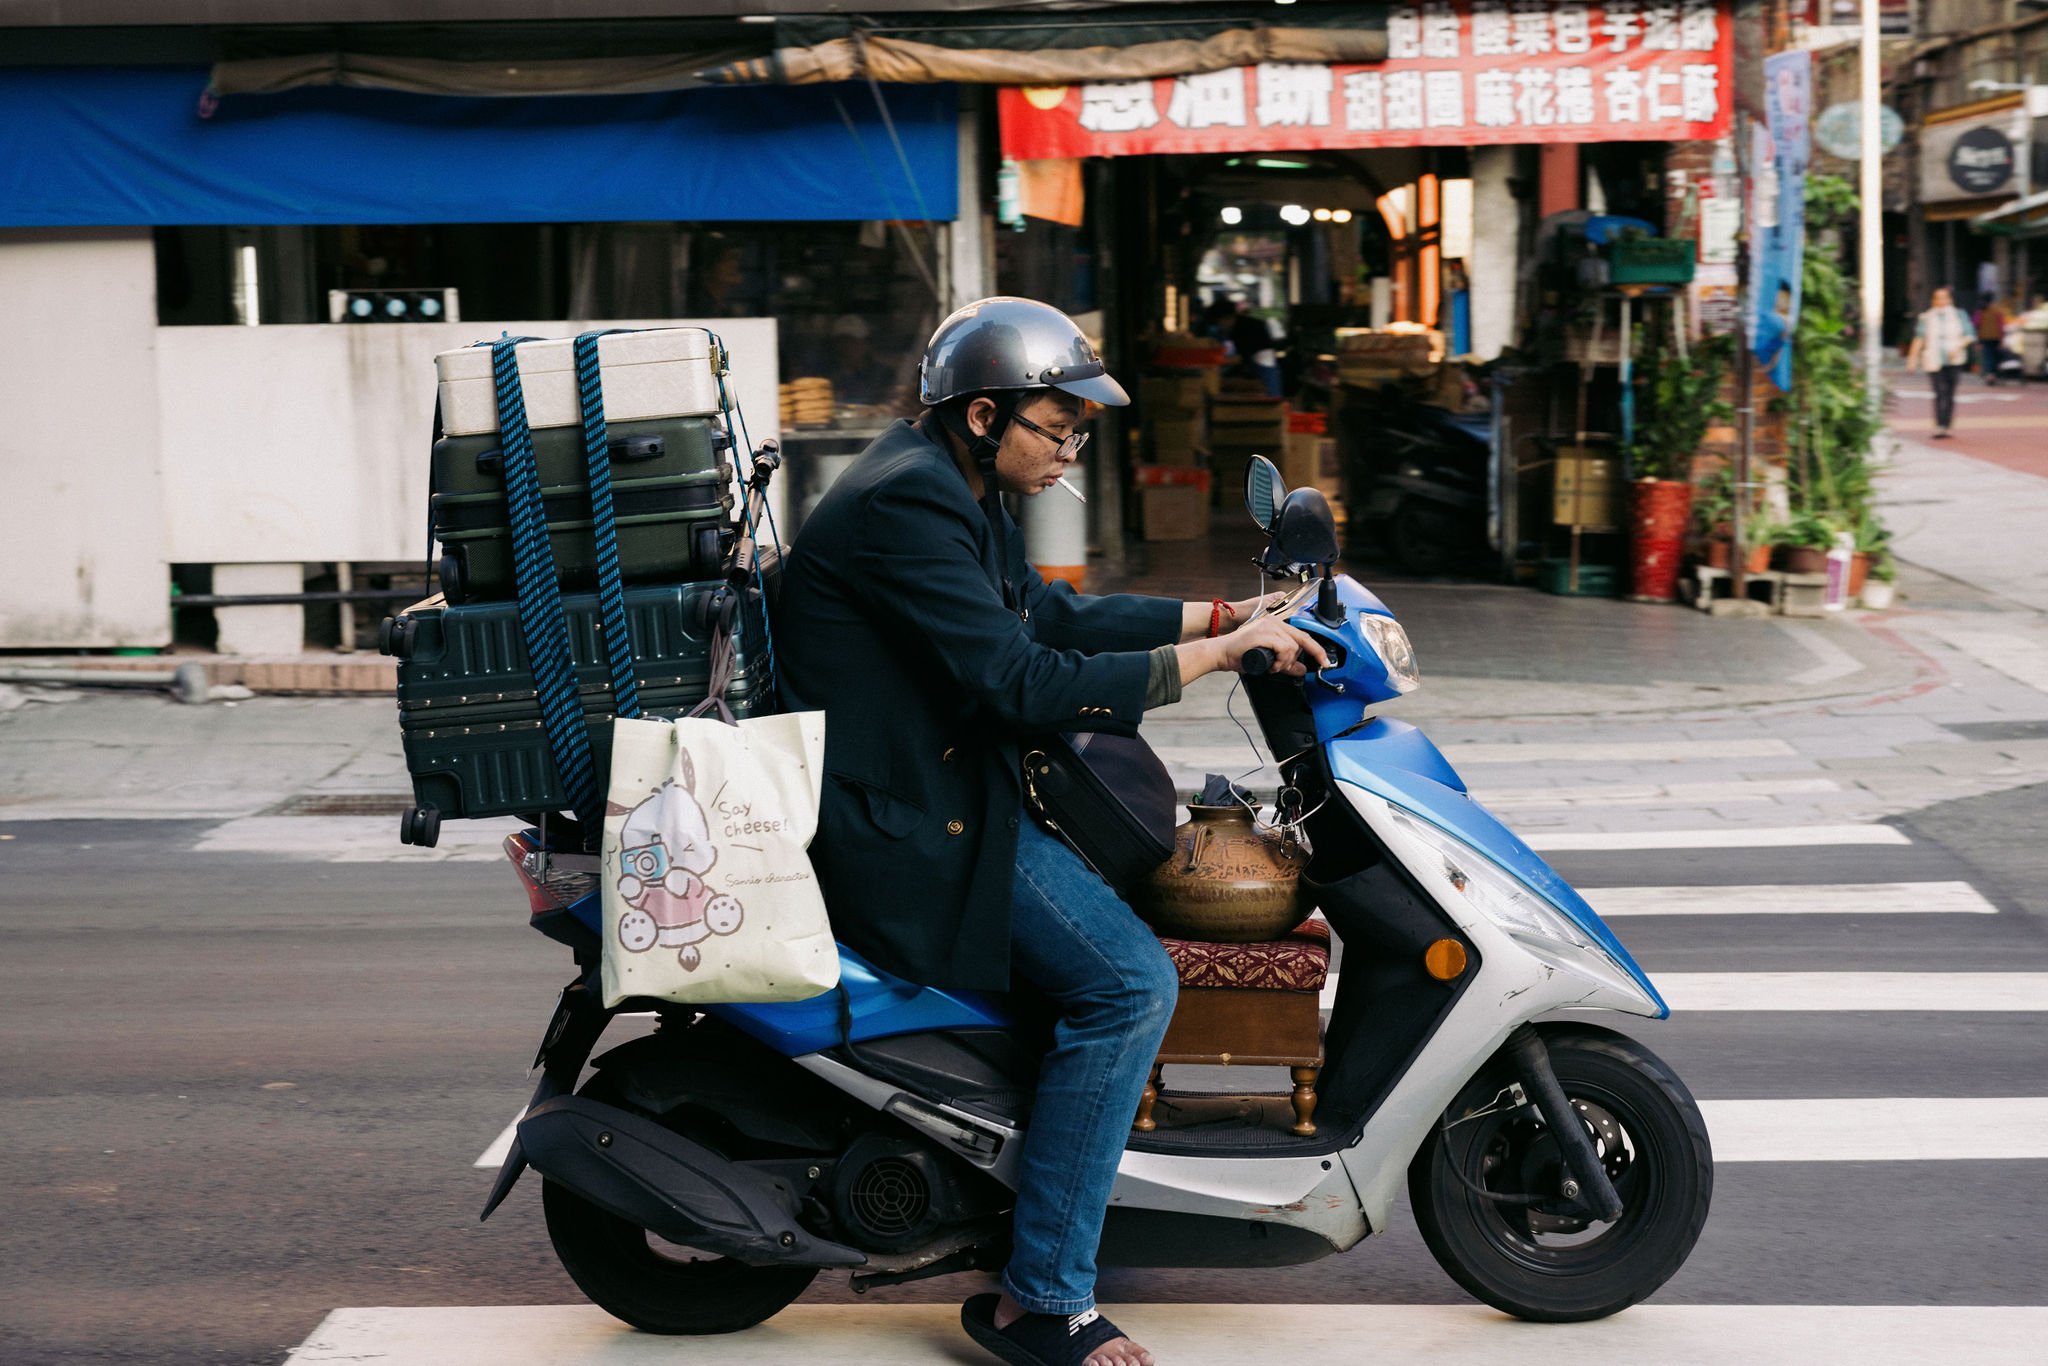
<point x="471" y="720"/>
<point x="672" y="497"/>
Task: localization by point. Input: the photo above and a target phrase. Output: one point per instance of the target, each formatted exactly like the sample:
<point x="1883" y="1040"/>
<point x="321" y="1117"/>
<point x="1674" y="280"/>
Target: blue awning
<point x="102" y="146"/>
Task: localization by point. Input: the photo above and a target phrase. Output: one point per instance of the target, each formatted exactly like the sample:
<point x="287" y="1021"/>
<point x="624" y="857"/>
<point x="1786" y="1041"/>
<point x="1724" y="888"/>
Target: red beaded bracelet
<point x="1217" y="608"/>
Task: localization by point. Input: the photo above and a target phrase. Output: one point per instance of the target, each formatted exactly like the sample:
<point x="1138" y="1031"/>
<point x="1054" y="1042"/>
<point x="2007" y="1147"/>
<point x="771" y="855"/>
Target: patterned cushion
<point x="1300" y="962"/>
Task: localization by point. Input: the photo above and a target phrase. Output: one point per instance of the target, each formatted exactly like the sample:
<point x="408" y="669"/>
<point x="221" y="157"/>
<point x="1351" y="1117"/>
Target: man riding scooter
<point x="934" y="648"/>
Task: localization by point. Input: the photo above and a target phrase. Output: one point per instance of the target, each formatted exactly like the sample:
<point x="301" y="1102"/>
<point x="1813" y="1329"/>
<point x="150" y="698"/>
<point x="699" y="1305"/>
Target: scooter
<point x="1421" y="481"/>
<point x="709" y="1170"/>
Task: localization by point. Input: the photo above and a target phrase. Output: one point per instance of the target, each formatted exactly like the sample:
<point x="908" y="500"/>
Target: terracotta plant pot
<point x="1720" y="554"/>
<point x="1803" y="559"/>
<point x="1759" y="560"/>
<point x="1658" y="514"/>
<point x="1859" y="570"/>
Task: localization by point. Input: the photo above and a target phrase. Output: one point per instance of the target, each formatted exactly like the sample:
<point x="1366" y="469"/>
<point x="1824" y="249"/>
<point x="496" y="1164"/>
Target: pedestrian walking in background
<point x="1992" y="320"/>
<point x="1941" y="348"/>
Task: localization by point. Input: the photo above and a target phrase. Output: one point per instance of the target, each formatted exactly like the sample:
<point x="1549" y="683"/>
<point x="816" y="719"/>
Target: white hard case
<point x="661" y="372"/>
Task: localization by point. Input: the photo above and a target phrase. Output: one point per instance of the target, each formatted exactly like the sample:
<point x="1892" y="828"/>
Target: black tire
<point x="1425" y="538"/>
<point x="659" y="1288"/>
<point x="1522" y="1259"/>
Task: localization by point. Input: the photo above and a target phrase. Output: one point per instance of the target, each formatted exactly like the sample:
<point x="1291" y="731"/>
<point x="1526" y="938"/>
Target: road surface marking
<point x="1206" y="1335"/>
<point x="1777" y="837"/>
<point x="494" y="1156"/>
<point x="1989" y="992"/>
<point x="1835" y="662"/>
<point x="357" y="839"/>
<point x="1656" y="794"/>
<point x="1832" y="898"/>
<point x="1893" y="1129"/>
<point x="1983" y="992"/>
<point x="1637" y="752"/>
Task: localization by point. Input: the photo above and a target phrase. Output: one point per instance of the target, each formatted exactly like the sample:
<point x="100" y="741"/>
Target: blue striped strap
<point x="541" y="620"/>
<point x="611" y="594"/>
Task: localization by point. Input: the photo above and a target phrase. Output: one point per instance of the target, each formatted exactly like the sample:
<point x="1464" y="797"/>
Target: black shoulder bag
<point x="1107" y="797"/>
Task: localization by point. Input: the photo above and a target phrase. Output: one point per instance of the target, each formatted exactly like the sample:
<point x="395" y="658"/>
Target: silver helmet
<point x="1006" y="343"/>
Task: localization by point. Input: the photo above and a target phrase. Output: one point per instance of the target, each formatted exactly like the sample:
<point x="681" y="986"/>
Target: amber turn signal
<point x="1444" y="960"/>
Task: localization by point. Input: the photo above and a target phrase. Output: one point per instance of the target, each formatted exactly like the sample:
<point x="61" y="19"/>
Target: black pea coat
<point x="891" y="619"/>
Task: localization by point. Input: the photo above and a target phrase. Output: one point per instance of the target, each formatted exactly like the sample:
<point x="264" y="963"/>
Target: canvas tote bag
<point x="709" y="896"/>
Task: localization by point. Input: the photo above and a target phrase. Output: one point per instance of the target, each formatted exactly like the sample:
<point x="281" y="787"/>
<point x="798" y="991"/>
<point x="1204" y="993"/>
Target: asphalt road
<point x="241" y="1091"/>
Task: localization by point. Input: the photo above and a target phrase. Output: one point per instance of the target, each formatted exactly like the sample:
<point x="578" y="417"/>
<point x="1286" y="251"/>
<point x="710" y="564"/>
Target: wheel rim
<point x="1513" y="1153"/>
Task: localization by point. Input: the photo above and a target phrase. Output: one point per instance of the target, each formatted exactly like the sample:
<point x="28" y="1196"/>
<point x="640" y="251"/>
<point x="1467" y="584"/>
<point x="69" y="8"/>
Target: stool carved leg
<point x="1145" y="1124"/>
<point x="1305" y="1100"/>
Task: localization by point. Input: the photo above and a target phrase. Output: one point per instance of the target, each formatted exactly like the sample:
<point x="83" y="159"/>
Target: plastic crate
<point x="1650" y="261"/>
<point x="1595" y="580"/>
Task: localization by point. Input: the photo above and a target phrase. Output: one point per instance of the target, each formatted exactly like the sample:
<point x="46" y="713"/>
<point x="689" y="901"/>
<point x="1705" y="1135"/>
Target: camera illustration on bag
<point x="665" y="850"/>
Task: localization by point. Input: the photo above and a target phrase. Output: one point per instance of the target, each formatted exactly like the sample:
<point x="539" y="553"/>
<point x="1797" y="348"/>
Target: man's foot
<point x="1005" y="1328"/>
<point x="1940" y="432"/>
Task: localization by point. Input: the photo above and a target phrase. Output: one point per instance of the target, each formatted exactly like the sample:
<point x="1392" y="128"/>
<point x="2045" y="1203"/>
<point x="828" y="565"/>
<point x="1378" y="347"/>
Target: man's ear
<point x="981" y="415"/>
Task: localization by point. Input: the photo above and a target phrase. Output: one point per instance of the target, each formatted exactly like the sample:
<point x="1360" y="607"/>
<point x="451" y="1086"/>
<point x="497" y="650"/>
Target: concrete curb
<point x="306" y="675"/>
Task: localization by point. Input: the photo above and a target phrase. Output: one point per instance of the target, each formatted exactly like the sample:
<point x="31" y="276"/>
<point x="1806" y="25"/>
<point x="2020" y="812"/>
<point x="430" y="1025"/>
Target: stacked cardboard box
<point x="1172" y="410"/>
<point x="1311" y="453"/>
<point x="1240" y="427"/>
<point x="1173" y="502"/>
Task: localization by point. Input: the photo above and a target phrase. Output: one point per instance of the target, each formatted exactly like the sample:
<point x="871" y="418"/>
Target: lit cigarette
<point x="1071" y="489"/>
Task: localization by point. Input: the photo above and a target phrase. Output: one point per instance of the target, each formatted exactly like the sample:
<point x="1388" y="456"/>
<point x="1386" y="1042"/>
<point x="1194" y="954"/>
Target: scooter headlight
<point x="1390" y="642"/>
<point x="1514" y="908"/>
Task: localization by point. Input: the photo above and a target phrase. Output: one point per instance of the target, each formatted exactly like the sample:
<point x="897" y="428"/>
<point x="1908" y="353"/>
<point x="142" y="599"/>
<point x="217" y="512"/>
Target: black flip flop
<point x="1037" y="1339"/>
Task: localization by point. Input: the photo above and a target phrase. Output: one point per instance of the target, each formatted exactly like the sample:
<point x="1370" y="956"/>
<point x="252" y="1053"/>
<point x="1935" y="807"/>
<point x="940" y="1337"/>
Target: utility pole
<point x="1870" y="227"/>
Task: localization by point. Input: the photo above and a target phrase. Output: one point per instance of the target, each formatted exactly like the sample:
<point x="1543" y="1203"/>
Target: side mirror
<point x="1304" y="534"/>
<point x="1263" y="490"/>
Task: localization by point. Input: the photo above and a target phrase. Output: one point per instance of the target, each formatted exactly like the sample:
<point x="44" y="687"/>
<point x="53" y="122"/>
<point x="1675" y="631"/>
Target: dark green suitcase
<point x="671" y="496"/>
<point x="470" y="718"/>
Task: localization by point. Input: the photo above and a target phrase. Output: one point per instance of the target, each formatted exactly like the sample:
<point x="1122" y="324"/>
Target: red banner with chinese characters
<point x="1458" y="73"/>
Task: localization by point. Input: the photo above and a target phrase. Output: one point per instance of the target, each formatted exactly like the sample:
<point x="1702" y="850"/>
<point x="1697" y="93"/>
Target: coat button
<point x="1013" y="822"/>
<point x="955" y="828"/>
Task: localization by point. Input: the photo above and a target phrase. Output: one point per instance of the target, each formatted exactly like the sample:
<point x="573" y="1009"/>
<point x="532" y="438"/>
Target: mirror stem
<point x="1329" y="611"/>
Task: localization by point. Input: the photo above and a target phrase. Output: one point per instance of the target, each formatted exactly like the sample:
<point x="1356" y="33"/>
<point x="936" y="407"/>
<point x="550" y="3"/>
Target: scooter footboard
<point x="670" y="1186"/>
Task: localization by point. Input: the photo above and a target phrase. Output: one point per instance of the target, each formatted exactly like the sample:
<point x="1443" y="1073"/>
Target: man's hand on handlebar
<point x="1287" y="650"/>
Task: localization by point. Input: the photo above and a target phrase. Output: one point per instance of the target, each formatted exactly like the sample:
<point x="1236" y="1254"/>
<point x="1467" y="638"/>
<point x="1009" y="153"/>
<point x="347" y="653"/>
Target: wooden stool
<point x="1249" y="1005"/>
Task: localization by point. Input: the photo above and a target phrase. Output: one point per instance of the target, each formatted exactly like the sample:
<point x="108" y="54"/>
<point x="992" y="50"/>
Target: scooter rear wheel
<point x="1552" y="1261"/>
<point x="657" y="1286"/>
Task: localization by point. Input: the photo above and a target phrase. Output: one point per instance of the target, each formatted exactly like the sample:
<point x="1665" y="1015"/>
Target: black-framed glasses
<point x="1070" y="446"/>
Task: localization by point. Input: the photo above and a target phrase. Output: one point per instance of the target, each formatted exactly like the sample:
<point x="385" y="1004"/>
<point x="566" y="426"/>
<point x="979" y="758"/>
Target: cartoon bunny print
<point x="664" y="852"/>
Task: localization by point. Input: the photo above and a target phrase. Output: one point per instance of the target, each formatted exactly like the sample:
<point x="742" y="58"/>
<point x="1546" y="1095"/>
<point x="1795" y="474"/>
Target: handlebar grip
<point x="1257" y="661"/>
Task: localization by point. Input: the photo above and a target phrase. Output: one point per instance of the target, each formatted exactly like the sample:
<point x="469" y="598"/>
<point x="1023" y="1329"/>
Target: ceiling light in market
<point x="1322" y="215"/>
<point x="1294" y="213"/>
<point x="1340" y="215"/>
<point x="1232" y="215"/>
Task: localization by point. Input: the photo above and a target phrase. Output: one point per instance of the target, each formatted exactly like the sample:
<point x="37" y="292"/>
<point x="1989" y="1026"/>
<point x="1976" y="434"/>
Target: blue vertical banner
<point x="1779" y="155"/>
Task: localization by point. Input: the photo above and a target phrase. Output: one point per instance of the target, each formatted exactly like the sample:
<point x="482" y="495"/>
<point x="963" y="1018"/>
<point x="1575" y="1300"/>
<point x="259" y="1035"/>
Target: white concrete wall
<point x="309" y="443"/>
<point x="1496" y="255"/>
<point x="82" y="555"/>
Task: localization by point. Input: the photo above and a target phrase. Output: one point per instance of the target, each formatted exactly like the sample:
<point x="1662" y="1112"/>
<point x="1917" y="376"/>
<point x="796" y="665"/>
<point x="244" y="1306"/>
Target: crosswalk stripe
<point x="1988" y="992"/>
<point x="1658" y="794"/>
<point x="1900" y="1129"/>
<point x="1206" y="1334"/>
<point x="494" y="1156"/>
<point x="356" y="839"/>
<point x="1834" y="898"/>
<point x="1625" y="752"/>
<point x="1740" y="837"/>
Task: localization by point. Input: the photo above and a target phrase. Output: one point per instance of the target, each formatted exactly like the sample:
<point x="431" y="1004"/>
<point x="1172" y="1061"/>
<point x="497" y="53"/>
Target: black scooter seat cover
<point x="670" y="1186"/>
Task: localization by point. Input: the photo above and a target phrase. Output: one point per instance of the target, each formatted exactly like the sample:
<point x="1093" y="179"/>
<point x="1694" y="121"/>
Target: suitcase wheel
<point x="707" y="554"/>
<point x="421" y="826"/>
<point x="454" y="582"/>
<point x="395" y="637"/>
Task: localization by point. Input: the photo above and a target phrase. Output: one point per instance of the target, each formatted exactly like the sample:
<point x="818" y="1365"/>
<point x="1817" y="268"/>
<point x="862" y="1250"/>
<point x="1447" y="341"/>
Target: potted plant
<point x="1879" y="588"/>
<point x="1681" y="399"/>
<point x="1803" y="543"/>
<point x="1759" y="536"/>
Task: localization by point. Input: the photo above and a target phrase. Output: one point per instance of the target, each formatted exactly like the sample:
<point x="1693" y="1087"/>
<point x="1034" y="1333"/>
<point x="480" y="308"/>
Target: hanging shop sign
<point x="1458" y="73"/>
<point x="1973" y="158"/>
<point x="1780" y="153"/>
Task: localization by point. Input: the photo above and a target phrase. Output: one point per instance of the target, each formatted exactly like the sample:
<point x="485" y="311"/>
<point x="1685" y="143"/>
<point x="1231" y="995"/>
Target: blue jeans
<point x="1073" y="939"/>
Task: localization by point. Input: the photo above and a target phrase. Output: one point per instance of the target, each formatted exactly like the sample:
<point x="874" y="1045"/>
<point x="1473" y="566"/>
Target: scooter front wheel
<point x="1485" y="1186"/>
<point x="656" y="1286"/>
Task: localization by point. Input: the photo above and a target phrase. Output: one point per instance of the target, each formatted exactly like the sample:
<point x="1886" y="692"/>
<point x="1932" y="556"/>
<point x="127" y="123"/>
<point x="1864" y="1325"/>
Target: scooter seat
<point x="1300" y="962"/>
